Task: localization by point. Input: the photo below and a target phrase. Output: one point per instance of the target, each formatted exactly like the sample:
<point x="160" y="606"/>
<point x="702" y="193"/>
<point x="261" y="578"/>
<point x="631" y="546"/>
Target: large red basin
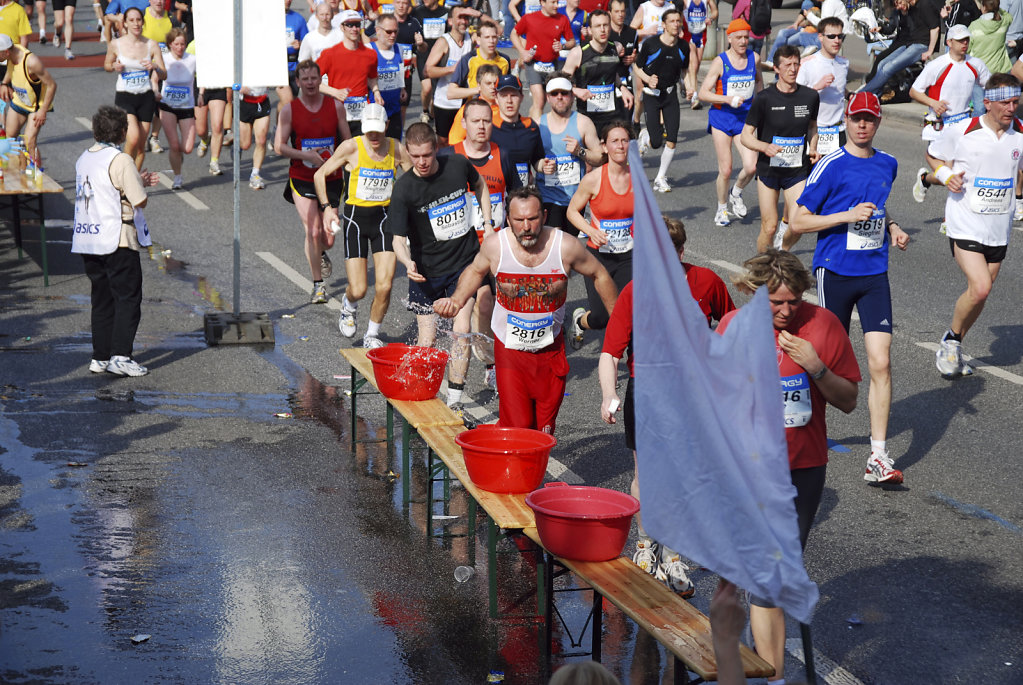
<point x="506" y="460"/>
<point x="408" y="372"/>
<point x="581" y="522"/>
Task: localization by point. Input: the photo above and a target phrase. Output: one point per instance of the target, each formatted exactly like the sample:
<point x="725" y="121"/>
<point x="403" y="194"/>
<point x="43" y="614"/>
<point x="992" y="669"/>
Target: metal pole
<point x="236" y="155"/>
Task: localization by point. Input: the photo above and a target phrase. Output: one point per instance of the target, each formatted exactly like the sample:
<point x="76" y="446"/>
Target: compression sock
<point x="666" y="154"/>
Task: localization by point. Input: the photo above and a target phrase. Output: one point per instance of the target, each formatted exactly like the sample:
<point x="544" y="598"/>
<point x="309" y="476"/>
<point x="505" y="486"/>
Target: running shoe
<point x="1017" y="215"/>
<point x="346" y="322"/>
<point x="371" y="342"/>
<point x="319" y="295"/>
<point x="178" y="183"/>
<point x="256" y="182"/>
<point x="490" y="377"/>
<point x="919" y="189"/>
<point x="646" y="555"/>
<point x="577" y="327"/>
<point x="644" y="141"/>
<point x="721" y="218"/>
<point x="694" y="102"/>
<point x="203" y="147"/>
<point x="779" y="238"/>
<point x="215" y="168"/>
<point x="326" y="266"/>
<point x="97" y="366"/>
<point x="56" y="40"/>
<point x="672" y="572"/>
<point x="68" y="55"/>
<point x="949" y="359"/>
<point x="154" y="145"/>
<point x="125" y="366"/>
<point x="880" y="469"/>
<point x="228" y="138"/>
<point x="661" y="185"/>
<point x="424" y="118"/>
<point x="943" y="228"/>
<point x="767" y="64"/>
<point x="807" y="51"/>
<point x="738" y="206"/>
<point x="42" y="37"/>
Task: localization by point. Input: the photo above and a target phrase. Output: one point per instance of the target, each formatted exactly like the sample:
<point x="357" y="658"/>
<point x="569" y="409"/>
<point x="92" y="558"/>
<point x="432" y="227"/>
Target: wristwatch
<point x="324" y="205"/>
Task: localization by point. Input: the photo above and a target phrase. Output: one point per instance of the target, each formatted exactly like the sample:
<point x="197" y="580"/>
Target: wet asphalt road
<point x="253" y="548"/>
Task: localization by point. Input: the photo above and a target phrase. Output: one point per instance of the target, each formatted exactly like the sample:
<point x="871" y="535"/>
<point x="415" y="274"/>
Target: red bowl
<point x="581" y="522"/>
<point x="508" y="460"/>
<point x="408" y="372"/>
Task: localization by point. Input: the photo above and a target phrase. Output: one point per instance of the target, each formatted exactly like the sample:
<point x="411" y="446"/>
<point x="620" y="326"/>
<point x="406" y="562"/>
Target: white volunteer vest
<point x="97" y="228"/>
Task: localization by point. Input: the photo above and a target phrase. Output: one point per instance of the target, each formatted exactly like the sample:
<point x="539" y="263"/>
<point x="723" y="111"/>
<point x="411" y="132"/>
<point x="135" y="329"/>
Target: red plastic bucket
<point x="408" y="372"/>
<point x="581" y="522"/>
<point x="508" y="460"/>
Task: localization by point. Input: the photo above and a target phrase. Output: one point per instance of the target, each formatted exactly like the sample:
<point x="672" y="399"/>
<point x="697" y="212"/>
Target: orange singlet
<point x="611" y="212"/>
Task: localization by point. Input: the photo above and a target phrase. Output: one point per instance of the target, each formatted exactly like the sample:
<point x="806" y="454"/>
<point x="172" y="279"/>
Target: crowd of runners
<point x="490" y="205"/>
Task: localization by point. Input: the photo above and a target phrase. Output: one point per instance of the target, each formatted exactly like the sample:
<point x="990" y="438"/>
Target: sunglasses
<point x="834" y="36"/>
<point x="352" y="24"/>
<point x="389" y="33"/>
<point x="559" y="93"/>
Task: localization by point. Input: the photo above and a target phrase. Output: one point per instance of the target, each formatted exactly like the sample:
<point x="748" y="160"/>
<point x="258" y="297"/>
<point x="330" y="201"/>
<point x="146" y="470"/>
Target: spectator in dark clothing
<point x="919" y="25"/>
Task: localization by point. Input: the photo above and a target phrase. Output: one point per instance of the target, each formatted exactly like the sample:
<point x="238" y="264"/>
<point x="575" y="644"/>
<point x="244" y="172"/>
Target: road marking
<point x="165" y="180"/>
<point x="829" y="671"/>
<point x="975" y="511"/>
<point x="294" y="276"/>
<point x="980" y="366"/>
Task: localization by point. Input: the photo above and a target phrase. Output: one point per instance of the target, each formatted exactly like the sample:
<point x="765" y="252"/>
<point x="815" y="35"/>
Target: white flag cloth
<point x="711" y="450"/>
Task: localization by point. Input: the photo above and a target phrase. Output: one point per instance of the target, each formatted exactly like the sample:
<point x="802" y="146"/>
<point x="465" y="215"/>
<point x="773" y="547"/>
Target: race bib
<point x="697" y="27"/>
<point x="390" y="78"/>
<point x="991" y="195"/>
<point x="354" y="107"/>
<point x="697" y="20"/>
<point x="867" y="234"/>
<point x="791" y="154"/>
<point x="433" y="27"/>
<point x="619" y="235"/>
<point x="523" y="169"/>
<point x="406" y="53"/>
<point x="795" y="392"/>
<point x="387" y="8"/>
<point x="496" y="210"/>
<point x="22" y="94"/>
<point x="163" y="48"/>
<point x="374" y="185"/>
<point x="142" y="228"/>
<point x="827" y="139"/>
<point x="324" y="147"/>
<point x="953" y="118"/>
<point x="177" y="97"/>
<point x="135" y="81"/>
<point x="740" y="85"/>
<point x="449" y="220"/>
<point x="532" y="6"/>
<point x="602" y="98"/>
<point x="543" y="67"/>
<point x="567" y="173"/>
<point x="529" y="335"/>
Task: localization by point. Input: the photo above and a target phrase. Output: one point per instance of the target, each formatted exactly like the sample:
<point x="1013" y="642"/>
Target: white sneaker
<point x="881" y="469"/>
<point x="178" y="183"/>
<point x="1017" y="215"/>
<point x="346" y="322"/>
<point x="577" y="328"/>
<point x="56" y="39"/>
<point x="721" y="218"/>
<point x="97" y="366"/>
<point x="779" y="237"/>
<point x="319" y="294"/>
<point x="949" y="359"/>
<point x="661" y="185"/>
<point x="694" y="102"/>
<point x="371" y="342"/>
<point x="326" y="266"/>
<point x="490" y="378"/>
<point x="672" y="572"/>
<point x="154" y="145"/>
<point x="68" y="55"/>
<point x="256" y="182"/>
<point x="215" y="168"/>
<point x="125" y="366"/>
<point x="203" y="147"/>
<point x="919" y="189"/>
<point x="738" y="206"/>
<point x="646" y="555"/>
<point x="644" y="141"/>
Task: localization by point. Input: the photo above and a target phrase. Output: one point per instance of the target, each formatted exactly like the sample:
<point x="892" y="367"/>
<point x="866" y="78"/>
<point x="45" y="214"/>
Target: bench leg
<point x="354" y="388"/>
<point x="492" y="565"/>
<point x="597" y="627"/>
<point x="811" y="672"/>
<point x="16" y="214"/>
<point x="471" y="532"/>
<point x="681" y="676"/>
<point x="42" y="242"/>
<point x="548" y="562"/>
<point x="429" y="492"/>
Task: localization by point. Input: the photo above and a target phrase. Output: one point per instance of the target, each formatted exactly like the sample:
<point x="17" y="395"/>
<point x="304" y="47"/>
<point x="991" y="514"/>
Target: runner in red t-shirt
<point x="350" y="71"/>
<point x="817" y="368"/>
<point x="537" y="37"/>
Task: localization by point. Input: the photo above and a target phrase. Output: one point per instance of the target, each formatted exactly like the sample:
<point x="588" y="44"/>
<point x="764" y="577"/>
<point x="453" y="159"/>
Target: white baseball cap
<point x="5" y="42"/>
<point x="349" y="15"/>
<point x="559" y="83"/>
<point x="958" y="32"/>
<point x="374" y="118"/>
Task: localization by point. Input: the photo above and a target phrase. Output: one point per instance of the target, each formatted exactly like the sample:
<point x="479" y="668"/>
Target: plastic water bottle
<point x="335" y="227"/>
<point x="464" y="573"/>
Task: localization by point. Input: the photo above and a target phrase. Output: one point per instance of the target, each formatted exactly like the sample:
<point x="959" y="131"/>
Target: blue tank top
<point x="696" y="17"/>
<point x="560" y="186"/>
<point x="390" y="78"/>
<point x="737" y="82"/>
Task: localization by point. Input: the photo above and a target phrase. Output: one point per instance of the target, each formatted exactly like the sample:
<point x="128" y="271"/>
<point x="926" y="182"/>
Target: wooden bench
<point x="682" y="628"/>
<point x="415" y="415"/>
<point x="19" y="193"/>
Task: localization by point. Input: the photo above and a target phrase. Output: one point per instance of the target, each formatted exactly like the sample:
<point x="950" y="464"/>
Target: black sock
<point x="953" y="336"/>
<point x="456" y="386"/>
<point x="923" y="179"/>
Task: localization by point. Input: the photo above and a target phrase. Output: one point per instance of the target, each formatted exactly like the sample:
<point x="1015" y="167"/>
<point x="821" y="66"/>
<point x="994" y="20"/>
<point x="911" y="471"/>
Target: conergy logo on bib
<point x="791" y="154"/>
<point x="991" y="195"/>
<point x="827" y="139"/>
<point x="529" y="334"/>
<point x="354" y="107"/>
<point x="619" y="235"/>
<point x="324" y="147"/>
<point x="374" y="185"/>
<point x="449" y="220"/>
<point x="602" y="98"/>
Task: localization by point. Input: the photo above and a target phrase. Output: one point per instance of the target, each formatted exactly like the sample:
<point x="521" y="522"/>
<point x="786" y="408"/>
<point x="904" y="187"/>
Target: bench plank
<point x="508" y="511"/>
<point x="675" y="623"/>
<point x="356" y="356"/>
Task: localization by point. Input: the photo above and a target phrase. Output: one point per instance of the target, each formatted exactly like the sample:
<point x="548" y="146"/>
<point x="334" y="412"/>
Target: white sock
<point x="454" y="396"/>
<point x="722" y="206"/>
<point x="736" y="191"/>
<point x="877" y="446"/>
<point x="372" y="329"/>
<point x="666" y="154"/>
<point x="255" y="171"/>
<point x="348" y="305"/>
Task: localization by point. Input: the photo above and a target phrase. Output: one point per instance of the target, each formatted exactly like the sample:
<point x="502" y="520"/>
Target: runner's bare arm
<point x="468" y="283"/>
<point x="748" y="137"/>
<point x="707" y="93"/>
<point x="35" y="68"/>
<point x="110" y="62"/>
<point x="580" y="260"/>
<point x="838" y="391"/>
<point x="483" y="197"/>
<point x="437" y="53"/>
<point x="342" y="155"/>
<point x="583" y="194"/>
<point x="811" y="137"/>
<point x="804" y="221"/>
<point x="342" y="121"/>
<point x="607" y="374"/>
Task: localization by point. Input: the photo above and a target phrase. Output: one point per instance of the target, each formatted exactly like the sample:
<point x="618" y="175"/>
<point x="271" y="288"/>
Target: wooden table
<point x="23" y="192"/>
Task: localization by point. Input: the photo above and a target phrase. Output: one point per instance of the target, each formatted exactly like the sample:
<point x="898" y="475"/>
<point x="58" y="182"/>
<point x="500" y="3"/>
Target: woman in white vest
<point x="109" y="232"/>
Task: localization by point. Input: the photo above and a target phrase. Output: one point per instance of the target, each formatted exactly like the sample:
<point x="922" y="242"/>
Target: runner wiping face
<point x="784" y="306"/>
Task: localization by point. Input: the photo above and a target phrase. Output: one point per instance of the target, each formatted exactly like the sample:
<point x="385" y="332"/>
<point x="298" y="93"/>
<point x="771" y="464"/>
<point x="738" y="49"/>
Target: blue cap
<point x="509" y="81"/>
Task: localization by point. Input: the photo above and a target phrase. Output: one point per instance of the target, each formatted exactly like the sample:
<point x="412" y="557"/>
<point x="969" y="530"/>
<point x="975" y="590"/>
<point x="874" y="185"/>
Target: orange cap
<point x="739" y="24"/>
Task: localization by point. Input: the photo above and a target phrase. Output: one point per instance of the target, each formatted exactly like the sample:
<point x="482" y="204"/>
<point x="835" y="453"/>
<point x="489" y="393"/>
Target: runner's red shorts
<point x="531" y="385"/>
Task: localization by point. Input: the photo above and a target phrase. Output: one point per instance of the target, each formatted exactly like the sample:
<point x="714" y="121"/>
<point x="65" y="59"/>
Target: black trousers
<point x="116" y="301"/>
<point x="620" y="268"/>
